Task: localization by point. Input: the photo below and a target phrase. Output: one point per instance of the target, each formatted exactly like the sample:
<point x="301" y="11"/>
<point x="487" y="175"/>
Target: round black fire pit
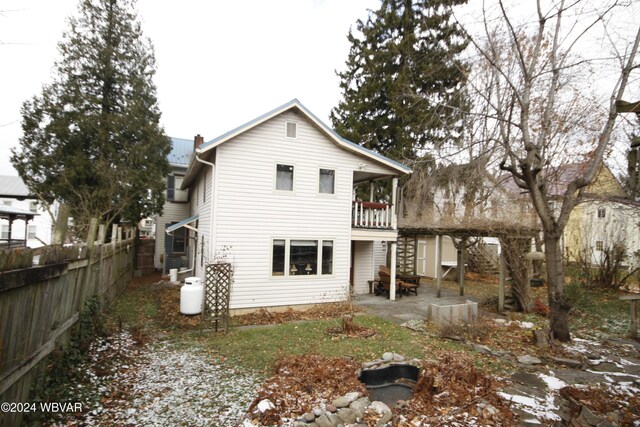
<point x="391" y="383"/>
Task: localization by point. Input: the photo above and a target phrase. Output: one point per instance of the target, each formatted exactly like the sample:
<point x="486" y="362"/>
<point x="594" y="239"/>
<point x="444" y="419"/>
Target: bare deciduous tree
<point x="543" y="106"/>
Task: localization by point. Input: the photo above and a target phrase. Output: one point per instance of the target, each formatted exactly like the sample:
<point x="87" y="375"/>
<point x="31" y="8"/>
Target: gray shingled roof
<point x="181" y="151"/>
<point x="13" y="187"/>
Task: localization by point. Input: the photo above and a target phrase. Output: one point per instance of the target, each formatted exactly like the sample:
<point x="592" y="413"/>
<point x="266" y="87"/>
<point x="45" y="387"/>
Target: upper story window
<point x="601" y="212"/>
<point x="284" y="177"/>
<point x="33" y="207"/>
<point x="327" y="181"/>
<point x="174" y="193"/>
<point x="291" y="129"/>
<point x="7" y="202"/>
<point x="599" y="245"/>
<point x="31" y="232"/>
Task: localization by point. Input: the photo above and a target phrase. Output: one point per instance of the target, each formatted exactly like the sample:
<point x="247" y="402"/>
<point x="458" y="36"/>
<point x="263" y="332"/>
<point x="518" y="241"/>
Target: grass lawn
<point x="258" y="348"/>
<point x="148" y="310"/>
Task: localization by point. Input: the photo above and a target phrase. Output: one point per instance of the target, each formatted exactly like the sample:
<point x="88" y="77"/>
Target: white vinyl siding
<point x="363" y="267"/>
<point x="250" y="214"/>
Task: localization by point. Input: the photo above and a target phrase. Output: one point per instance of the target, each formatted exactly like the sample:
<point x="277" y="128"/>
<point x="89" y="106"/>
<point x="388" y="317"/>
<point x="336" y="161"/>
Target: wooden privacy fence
<point x="41" y="302"/>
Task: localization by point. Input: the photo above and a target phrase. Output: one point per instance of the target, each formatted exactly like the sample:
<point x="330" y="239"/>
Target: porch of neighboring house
<point x="11" y="215"/>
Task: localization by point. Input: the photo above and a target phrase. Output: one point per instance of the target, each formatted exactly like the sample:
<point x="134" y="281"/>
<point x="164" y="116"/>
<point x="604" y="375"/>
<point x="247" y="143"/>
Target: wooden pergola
<point x="465" y="232"/>
<point x="12" y="214"/>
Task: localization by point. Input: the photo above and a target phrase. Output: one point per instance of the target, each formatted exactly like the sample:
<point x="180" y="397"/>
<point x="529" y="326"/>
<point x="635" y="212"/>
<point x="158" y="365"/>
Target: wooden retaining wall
<point x="39" y="305"/>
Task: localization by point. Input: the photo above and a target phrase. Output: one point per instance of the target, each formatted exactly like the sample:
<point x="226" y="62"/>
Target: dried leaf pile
<point x="603" y="402"/>
<point x="350" y="329"/>
<point x="449" y="391"/>
<point x="319" y="312"/>
<point x="302" y="382"/>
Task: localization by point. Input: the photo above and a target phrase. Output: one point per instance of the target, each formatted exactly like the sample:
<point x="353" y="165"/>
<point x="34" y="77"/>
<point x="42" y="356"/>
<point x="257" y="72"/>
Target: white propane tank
<point x="191" y="296"/>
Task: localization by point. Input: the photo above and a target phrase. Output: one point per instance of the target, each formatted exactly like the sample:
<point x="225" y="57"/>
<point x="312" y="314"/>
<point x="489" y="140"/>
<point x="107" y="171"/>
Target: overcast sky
<point x="220" y="63"/>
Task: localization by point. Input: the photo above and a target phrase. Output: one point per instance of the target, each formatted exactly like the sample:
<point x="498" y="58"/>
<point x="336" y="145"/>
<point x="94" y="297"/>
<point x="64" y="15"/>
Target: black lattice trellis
<point x="217" y="291"/>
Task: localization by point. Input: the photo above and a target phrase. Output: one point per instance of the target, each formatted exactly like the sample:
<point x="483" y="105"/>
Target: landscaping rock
<point x="387" y="357"/>
<point x="324" y="421"/>
<point x="347" y="415"/>
<point x="572" y="363"/>
<point x="341" y="402"/>
<point x="317" y="412"/>
<point x="335" y="420"/>
<point x="528" y="360"/>
<point x="309" y="417"/>
<point x="386" y="417"/>
<point x="351" y="397"/>
<point x="379" y="407"/>
<point x="483" y="349"/>
<point x="331" y="408"/>
<point x="605" y="367"/>
<point x="359" y="406"/>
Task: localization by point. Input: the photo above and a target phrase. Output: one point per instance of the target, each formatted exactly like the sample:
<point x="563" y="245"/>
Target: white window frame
<point x="603" y="211"/>
<point x="287" y="256"/>
<point x="293" y="178"/>
<point x="286" y="129"/>
<point x="29" y="229"/>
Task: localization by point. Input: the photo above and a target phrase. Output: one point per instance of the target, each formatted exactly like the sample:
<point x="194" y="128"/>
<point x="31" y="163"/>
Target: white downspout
<point x="212" y="245"/>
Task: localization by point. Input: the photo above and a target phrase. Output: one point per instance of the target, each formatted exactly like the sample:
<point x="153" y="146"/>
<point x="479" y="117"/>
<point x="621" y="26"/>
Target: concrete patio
<point x="410" y="307"/>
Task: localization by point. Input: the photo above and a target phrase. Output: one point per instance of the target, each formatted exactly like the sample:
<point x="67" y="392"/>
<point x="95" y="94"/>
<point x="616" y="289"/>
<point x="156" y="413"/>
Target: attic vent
<point x="292" y="129"/>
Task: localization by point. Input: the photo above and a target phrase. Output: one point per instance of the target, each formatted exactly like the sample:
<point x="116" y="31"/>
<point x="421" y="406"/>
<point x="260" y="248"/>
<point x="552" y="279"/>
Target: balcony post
<point x="394" y="197"/>
<point x="392" y="271"/>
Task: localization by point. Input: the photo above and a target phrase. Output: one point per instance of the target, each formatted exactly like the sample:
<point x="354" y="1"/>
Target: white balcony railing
<point x="372" y="215"/>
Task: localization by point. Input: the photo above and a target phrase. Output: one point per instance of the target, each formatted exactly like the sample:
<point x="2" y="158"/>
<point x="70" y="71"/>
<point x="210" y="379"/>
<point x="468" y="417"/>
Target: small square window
<point x="7" y="202"/>
<point x="599" y="245"/>
<point x="601" y="212"/>
<point x="284" y="177"/>
<point x="292" y="129"/>
<point x="33" y="207"/>
<point x="327" y="181"/>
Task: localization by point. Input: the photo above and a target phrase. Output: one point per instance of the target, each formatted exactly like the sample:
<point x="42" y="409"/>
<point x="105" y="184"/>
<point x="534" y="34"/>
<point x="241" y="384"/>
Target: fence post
<point x="91" y="238"/>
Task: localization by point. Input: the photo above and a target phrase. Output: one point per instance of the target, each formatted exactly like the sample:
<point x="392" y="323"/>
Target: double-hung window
<point x="284" y="177"/>
<point x="174" y="193"/>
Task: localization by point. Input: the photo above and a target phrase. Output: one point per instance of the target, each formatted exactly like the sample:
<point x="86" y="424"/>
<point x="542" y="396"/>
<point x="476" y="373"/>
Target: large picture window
<point x="284" y="177"/>
<point x="297" y="257"/>
<point x="303" y="257"/>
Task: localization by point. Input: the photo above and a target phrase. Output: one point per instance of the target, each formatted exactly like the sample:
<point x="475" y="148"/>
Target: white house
<point x="15" y="197"/>
<point x="172" y="252"/>
<point x="275" y="197"/>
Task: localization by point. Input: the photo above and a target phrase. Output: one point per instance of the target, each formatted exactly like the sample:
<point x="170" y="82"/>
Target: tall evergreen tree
<point x="402" y="89"/>
<point x="92" y="138"/>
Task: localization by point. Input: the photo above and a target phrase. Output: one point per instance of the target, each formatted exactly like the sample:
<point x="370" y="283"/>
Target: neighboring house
<point x="275" y="198"/>
<point x="15" y="197"/>
<point x="603" y="217"/>
<point x="147" y="228"/>
<point x="171" y="251"/>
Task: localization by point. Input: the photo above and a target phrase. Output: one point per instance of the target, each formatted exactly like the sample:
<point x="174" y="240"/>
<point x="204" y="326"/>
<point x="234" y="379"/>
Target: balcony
<point x="372" y="215"/>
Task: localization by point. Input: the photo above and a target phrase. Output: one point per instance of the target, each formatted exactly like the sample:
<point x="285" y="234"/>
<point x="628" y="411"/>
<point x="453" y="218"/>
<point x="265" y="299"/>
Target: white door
<point x="421" y="258"/>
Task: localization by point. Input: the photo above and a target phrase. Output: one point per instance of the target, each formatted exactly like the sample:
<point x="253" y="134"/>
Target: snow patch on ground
<point x="166" y="384"/>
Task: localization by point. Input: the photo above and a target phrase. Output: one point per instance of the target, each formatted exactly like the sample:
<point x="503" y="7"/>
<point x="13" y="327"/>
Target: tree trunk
<point x="559" y="305"/>
<point x="60" y="228"/>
